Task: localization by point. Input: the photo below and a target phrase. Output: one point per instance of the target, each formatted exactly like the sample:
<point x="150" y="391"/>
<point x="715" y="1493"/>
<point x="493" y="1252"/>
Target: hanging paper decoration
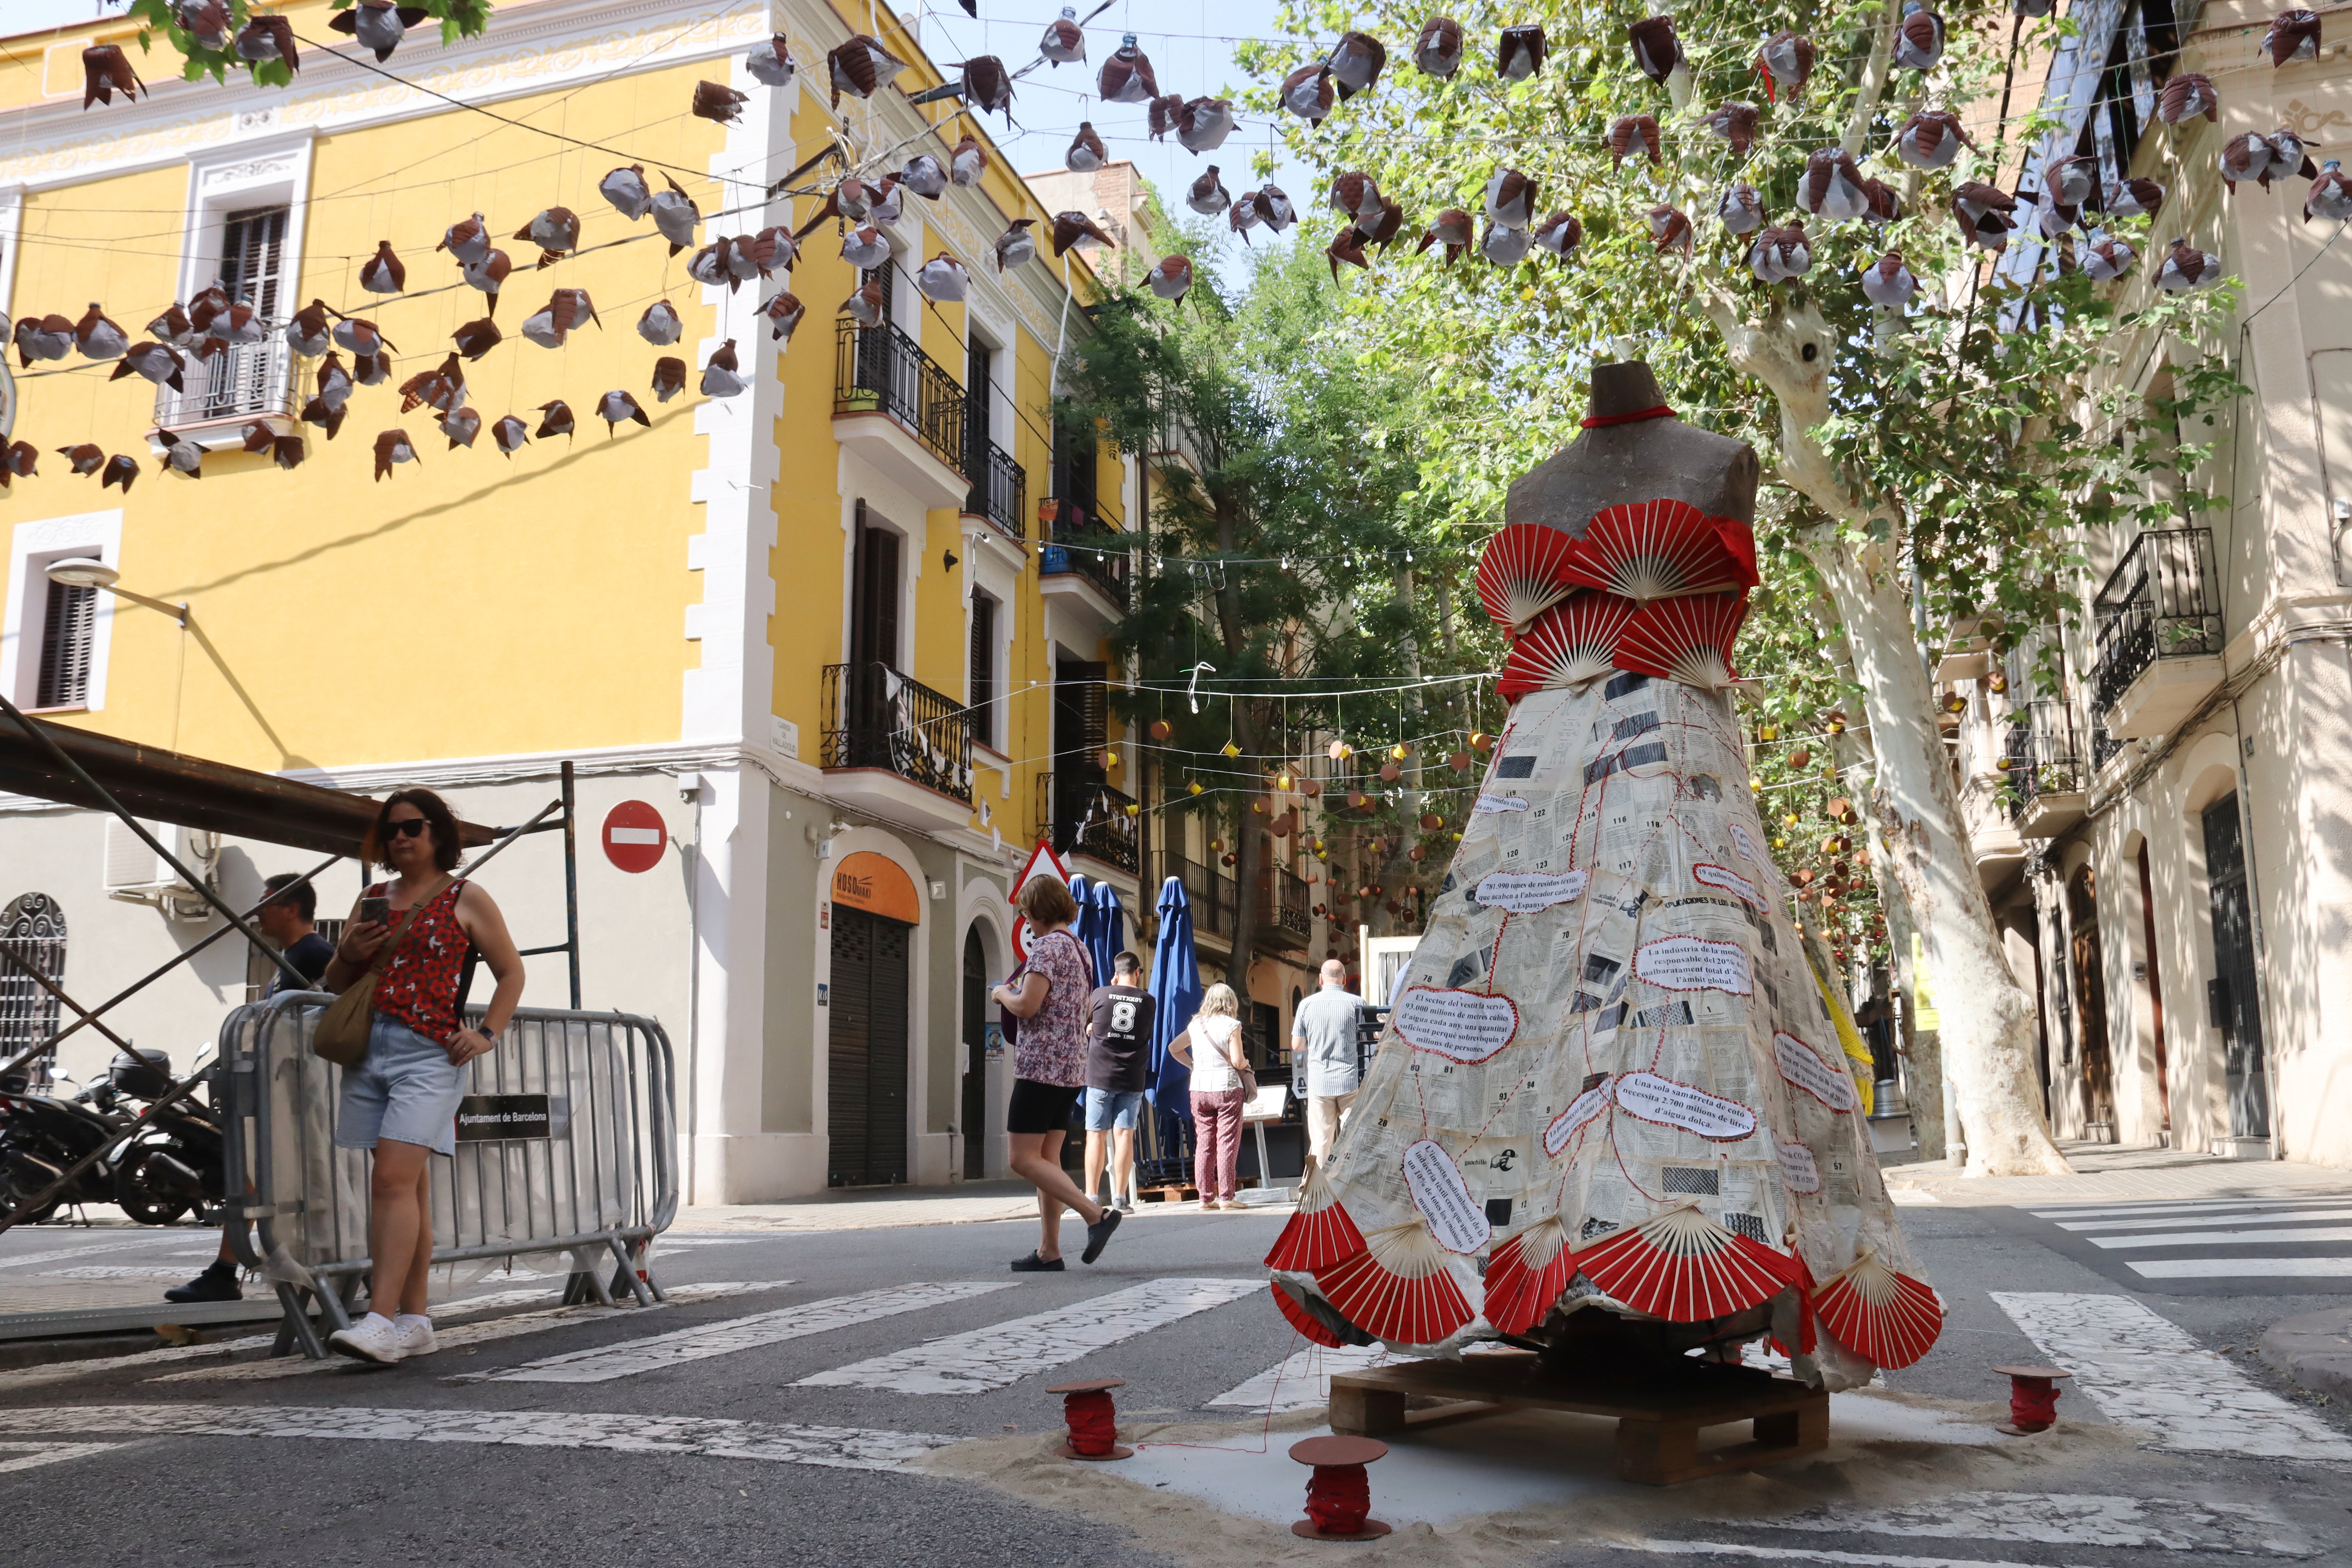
<point x="1401" y="1288"/>
<point x="1684" y="1267"/>
<point x="1889" y="1317"/>
<point x="1785" y="60"/>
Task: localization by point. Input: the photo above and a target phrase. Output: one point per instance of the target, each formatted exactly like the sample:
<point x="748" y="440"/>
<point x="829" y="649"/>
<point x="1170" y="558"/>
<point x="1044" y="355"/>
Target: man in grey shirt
<point x="1323" y="1046"/>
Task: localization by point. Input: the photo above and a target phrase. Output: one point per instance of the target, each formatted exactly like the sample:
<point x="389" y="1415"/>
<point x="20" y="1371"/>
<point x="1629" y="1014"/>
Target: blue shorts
<point x="406" y="1090"/>
<point x="1109" y="1107"/>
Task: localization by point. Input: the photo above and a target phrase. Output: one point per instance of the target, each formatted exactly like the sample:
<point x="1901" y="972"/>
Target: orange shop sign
<point x="875" y="884"/>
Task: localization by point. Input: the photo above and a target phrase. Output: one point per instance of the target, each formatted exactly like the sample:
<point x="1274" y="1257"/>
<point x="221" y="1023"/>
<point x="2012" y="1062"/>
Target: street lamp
<point x="88" y="572"/>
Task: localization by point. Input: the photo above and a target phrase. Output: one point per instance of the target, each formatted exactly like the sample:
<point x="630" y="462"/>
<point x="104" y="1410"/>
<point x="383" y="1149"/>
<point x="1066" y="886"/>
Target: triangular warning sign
<point x="1043" y="862"/>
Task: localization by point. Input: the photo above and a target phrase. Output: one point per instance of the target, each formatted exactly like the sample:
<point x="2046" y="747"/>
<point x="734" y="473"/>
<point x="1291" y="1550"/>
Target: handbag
<point x="341" y="1036"/>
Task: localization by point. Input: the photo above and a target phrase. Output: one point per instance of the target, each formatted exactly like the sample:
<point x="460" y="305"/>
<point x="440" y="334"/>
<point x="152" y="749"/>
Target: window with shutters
<point x="68" y="627"/>
<point x="249" y="378"/>
<point x="981" y="689"/>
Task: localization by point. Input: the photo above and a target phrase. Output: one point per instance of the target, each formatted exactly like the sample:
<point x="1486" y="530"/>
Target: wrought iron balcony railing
<point x="882" y="370"/>
<point x="1087" y="816"/>
<point x="2160" y="602"/>
<point x="247" y="381"/>
<point x="1074" y="541"/>
<point x="1282" y="902"/>
<point x="1000" y="490"/>
<point x="1213" y="896"/>
<point x="877" y="718"/>
<point x="2044" y="751"/>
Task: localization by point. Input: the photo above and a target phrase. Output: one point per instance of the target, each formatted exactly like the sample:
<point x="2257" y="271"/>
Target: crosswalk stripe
<point x="1004" y="1354"/>
<point x="32" y="1456"/>
<point x="464" y="1334"/>
<point x="1301" y="1379"/>
<point x="2234" y="1268"/>
<point x="24" y="1259"/>
<point x="2298" y="1216"/>
<point x="2171" y="1523"/>
<point x="2223" y="1238"/>
<point x="839" y="1447"/>
<point x="609" y="1361"/>
<point x="2144" y="1369"/>
<point x="1778" y="1553"/>
<point x="2092" y="1211"/>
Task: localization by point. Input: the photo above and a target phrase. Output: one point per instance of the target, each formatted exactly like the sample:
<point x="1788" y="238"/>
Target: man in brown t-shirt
<point x="1119" y="1063"/>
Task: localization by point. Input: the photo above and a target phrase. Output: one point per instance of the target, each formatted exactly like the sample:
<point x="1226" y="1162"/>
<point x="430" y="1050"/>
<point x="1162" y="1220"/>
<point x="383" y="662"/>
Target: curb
<point x="2316" y="1350"/>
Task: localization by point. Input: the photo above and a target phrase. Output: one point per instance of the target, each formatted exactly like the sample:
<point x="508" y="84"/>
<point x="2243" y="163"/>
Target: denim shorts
<point x="406" y="1090"/>
<point x="1109" y="1107"/>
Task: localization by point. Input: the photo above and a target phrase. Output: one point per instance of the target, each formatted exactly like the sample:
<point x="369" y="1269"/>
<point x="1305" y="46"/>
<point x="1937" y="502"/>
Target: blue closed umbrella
<point x="1105" y="932"/>
<point x="1176" y="996"/>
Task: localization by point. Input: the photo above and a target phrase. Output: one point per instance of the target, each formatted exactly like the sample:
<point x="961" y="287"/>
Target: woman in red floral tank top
<point x="402" y="1100"/>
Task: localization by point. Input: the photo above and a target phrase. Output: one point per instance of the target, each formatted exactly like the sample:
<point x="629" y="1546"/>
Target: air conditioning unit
<point x="134" y="872"/>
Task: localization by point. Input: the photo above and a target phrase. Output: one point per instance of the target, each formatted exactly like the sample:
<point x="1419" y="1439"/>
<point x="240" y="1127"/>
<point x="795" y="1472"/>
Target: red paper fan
<point x="1523" y="571"/>
<point x="1683" y="1267"/>
<point x="1889" y="1317"/>
<point x="1305" y="1322"/>
<point x="1399" y="1288"/>
<point x="1662" y="549"/>
<point x="1688" y="639"/>
<point x="1569" y="644"/>
<point x="1526" y="1274"/>
<point x="1319" y="1233"/>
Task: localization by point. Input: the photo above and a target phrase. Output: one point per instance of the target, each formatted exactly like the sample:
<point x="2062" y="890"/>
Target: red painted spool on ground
<point x="2032" y="1398"/>
<point x="1338" y="1495"/>
<point x="1092" y="1419"/>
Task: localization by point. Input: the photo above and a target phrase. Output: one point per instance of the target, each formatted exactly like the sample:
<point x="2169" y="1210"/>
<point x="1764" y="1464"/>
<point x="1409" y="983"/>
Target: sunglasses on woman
<point x="407" y="828"/>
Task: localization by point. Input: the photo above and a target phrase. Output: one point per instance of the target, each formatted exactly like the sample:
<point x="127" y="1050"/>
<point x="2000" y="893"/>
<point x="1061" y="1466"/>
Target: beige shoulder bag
<point x="341" y="1036"/>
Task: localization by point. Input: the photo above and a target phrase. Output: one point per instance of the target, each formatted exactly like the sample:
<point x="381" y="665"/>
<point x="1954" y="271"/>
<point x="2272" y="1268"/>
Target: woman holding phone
<point x="402" y="1099"/>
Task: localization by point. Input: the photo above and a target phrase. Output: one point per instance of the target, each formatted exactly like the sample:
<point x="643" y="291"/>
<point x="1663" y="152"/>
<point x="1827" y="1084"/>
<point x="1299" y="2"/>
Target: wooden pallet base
<point x="1658" y="1418"/>
<point x="1169" y="1194"/>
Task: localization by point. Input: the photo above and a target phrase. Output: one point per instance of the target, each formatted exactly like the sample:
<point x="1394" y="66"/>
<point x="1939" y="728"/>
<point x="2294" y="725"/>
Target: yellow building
<point x="830" y="625"/>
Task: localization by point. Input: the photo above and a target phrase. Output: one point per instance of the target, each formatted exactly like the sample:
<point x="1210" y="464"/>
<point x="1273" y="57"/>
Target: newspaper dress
<point x="1611" y="1080"/>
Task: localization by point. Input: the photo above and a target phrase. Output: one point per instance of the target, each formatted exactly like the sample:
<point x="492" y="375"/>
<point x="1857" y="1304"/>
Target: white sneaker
<point x="415" y="1334"/>
<point x="373" y="1338"/>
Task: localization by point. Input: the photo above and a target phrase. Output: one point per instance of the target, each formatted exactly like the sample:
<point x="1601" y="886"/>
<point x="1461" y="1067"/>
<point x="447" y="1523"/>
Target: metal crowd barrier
<point x="577" y="1155"/>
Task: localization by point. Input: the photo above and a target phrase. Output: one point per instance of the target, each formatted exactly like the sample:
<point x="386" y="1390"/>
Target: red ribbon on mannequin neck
<point x="1660" y="412"/>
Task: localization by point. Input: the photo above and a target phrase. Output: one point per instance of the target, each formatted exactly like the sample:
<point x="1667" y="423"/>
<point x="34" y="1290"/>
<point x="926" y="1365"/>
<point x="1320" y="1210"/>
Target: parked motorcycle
<point x="166" y="1168"/>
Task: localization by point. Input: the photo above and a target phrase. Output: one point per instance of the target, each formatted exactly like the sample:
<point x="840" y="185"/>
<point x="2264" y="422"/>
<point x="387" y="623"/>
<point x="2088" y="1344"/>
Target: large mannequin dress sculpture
<point x="1609" y="1115"/>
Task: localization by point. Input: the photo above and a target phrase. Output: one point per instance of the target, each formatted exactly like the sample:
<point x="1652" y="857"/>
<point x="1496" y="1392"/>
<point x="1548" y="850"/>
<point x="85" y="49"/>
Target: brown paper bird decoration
<point x="1163" y="117"/>
<point x="555" y="419"/>
<point x="924" y="175"/>
<point x="1126" y="77"/>
<point x="661" y="325"/>
<point x="1560" y="234"/>
<point x="1307" y="92"/>
<point x="1348" y="246"/>
<point x="669" y="377"/>
<point x="327" y="417"/>
<point x="2293" y="34"/>
<point x="675" y="215"/>
<point x="1354" y="195"/>
<point x="864" y="304"/>
<point x="1785" y="60"/>
<point x="1931" y="138"/>
<point x="1830" y="185"/>
<point x="942" y="278"/>
<point x="2185" y="268"/>
<point x="1669" y="229"/>
<point x="1064" y="42"/>
<point x="967" y="162"/>
<point x="461" y="425"/>
<point x="988" y="86"/>
<point x="1918" y="38"/>
<point x="1203" y="123"/>
<point x="556" y="232"/>
<point x="309" y="332"/>
<point x="2187" y="94"/>
<point x="715" y="100"/>
<point x="721" y="376"/>
<point x="206" y="22"/>
<point x="180" y="456"/>
<point x="627" y="192"/>
<point x="174" y="327"/>
<point x="265" y="38"/>
<point x="1086" y="152"/>
<point x="97" y="335"/>
<point x="772" y="64"/>
<point x="17" y="461"/>
<point x="1438" y="48"/>
<point x="1355" y="63"/>
<point x="120" y="470"/>
<point x="1070" y="227"/>
<point x="439" y="389"/>
<point x="1740" y="210"/>
<point x="85" y="459"/>
<point x="784" y="313"/>
<point x="1520" y="53"/>
<point x="488" y="275"/>
<point x="1170" y="279"/>
<point x="1984" y="213"/>
<point x="510" y="434"/>
<point x="44" y="338"/>
<point x="392" y="446"/>
<point x="383" y="273"/>
<point x="1634" y="136"/>
<point x="476" y="338"/>
<point x="1452" y="228"/>
<point x="378" y="24"/>
<point x="2135" y="198"/>
<point x="617" y="405"/>
<point x="861" y="67"/>
<point x="1736" y="123"/>
<point x="2330" y="195"/>
<point x="466" y="240"/>
<point x="1207" y="194"/>
<point x="157" y="363"/>
<point x="1504" y="246"/>
<point x="105" y="72"/>
<point x="1016" y="244"/>
<point x="1657" y="52"/>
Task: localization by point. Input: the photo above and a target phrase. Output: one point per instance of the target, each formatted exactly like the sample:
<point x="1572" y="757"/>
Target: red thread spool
<point x="1338" y="1495"/>
<point x="2032" y="1398"/>
<point x="1092" y="1419"/>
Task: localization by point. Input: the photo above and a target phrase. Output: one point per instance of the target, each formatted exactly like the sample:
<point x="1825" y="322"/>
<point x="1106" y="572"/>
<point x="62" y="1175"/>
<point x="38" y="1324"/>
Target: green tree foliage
<point x="457" y="20"/>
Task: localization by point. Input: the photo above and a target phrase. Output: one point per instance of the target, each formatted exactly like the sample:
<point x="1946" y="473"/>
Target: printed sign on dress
<point x="1463" y="1027"/>
<point x="1443" y="1198"/>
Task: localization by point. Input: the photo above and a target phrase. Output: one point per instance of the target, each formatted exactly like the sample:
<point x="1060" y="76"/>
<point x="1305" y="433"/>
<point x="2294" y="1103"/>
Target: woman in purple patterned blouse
<point x="1048" y="995"/>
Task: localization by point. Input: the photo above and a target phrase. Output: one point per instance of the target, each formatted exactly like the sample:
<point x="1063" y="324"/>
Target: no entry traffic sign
<point x="635" y="835"/>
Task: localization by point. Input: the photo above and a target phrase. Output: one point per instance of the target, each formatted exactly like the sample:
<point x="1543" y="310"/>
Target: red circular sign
<point x="635" y="835"/>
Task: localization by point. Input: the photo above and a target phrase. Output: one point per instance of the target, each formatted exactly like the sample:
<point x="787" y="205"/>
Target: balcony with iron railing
<point x="1084" y="816"/>
<point x="1213" y="896"/>
<point x="1000" y="490"/>
<point x="2046" y="776"/>
<point x="880" y="371"/>
<point x="1283" y="919"/>
<point x="243" y="382"/>
<point x="1082" y="544"/>
<point x="2158" y="635"/>
<point x="877" y="718"/>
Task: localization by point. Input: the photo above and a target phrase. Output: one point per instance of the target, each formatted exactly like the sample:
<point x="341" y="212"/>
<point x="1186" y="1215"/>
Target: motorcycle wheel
<point x="13" y="1192"/>
<point x="143" y="1205"/>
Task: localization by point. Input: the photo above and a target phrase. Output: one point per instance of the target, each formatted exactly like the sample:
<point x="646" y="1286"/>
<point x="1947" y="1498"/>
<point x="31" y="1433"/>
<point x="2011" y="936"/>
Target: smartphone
<point x="376" y="911"/>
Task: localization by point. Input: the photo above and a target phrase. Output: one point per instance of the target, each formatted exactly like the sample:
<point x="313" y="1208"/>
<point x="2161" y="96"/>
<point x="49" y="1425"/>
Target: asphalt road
<point x="99" y="1463"/>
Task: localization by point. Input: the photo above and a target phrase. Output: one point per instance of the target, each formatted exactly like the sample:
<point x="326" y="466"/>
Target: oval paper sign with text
<point x="1443" y="1198"/>
<point x="1671" y="1104"/>
<point x="1463" y="1026"/>
<point x="1803" y="1066"/>
<point x="1569" y="1123"/>
<point x="1528" y="893"/>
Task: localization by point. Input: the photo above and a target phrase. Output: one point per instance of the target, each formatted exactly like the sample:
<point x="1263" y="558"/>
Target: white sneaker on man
<point x="373" y="1338"/>
<point x="415" y="1334"/>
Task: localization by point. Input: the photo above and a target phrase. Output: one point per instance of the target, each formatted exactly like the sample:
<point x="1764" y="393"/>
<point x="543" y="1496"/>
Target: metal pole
<point x="571" y="886"/>
<point x="41" y="738"/>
